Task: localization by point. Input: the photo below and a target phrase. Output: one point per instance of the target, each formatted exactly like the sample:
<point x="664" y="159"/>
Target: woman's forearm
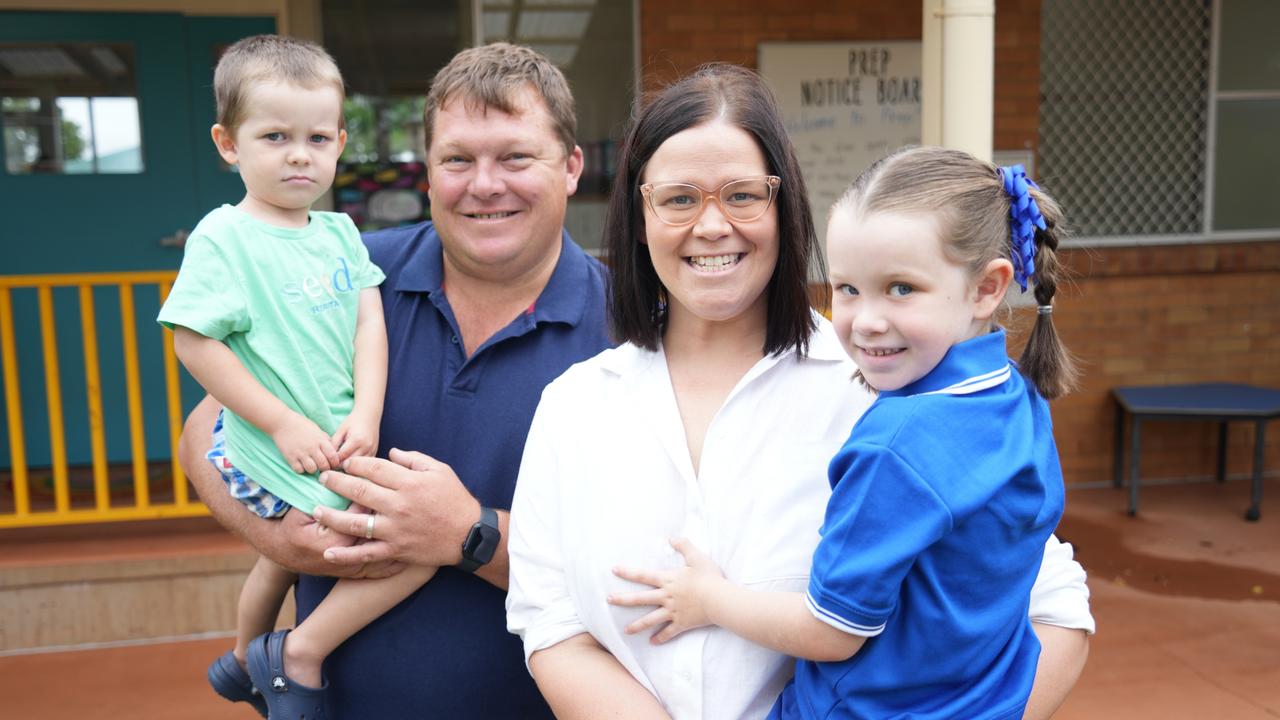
<point x="1063" y="652"/>
<point x="580" y="679"/>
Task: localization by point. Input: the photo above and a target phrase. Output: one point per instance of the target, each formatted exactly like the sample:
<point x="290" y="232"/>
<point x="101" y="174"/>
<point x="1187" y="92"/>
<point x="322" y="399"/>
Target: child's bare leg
<point x="260" y="600"/>
<point x="351" y="605"/>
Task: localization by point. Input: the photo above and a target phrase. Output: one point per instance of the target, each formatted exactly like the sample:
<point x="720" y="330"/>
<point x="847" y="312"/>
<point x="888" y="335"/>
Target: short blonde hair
<point x="265" y="58"/>
<point x="492" y="76"/>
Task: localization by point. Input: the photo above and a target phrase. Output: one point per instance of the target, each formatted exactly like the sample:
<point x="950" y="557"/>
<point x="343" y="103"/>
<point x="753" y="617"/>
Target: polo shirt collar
<point x="968" y="367"/>
<point x="423" y="268"/>
<point x="564" y="299"/>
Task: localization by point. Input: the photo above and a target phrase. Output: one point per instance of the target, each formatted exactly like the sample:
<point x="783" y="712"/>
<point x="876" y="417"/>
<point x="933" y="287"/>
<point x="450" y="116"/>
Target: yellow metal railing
<point x="142" y="507"/>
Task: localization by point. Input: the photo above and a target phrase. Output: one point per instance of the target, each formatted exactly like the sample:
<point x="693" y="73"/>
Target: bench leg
<point x="1222" y="451"/>
<point x="1259" y="453"/>
<point x="1118" y="475"/>
<point x="1135" y="453"/>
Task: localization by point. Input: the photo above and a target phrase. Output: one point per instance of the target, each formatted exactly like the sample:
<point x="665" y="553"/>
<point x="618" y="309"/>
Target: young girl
<point x="276" y="312"/>
<point x="947" y="488"/>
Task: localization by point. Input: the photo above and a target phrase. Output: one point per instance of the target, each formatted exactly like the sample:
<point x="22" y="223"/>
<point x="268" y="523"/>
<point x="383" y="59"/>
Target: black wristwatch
<point x="481" y="542"/>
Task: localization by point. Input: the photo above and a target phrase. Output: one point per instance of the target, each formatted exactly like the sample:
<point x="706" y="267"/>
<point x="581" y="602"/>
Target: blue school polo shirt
<point x="445" y="651"/>
<point x="942" y="500"/>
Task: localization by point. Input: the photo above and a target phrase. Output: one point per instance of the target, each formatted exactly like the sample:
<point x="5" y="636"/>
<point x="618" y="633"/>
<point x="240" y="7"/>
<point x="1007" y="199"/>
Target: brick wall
<point x="676" y="36"/>
<point x="1167" y="314"/>
<point x="1134" y="316"/>
<point x="1017" y="74"/>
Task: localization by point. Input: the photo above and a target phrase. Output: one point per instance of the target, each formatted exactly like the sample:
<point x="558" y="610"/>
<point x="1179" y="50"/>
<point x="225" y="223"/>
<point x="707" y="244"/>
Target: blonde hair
<point x="263" y="58"/>
<point x="966" y="197"/>
<point x="493" y="76"/>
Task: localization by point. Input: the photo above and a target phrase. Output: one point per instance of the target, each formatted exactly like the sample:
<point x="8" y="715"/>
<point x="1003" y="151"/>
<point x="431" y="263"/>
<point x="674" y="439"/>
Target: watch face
<point x="482" y="541"/>
<point x="474" y="540"/>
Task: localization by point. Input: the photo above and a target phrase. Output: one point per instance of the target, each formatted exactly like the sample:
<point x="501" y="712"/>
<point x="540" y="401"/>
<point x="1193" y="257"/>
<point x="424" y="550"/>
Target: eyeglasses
<point x="742" y="200"/>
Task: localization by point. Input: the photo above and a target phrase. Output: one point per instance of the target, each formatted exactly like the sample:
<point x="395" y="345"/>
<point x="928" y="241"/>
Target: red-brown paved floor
<point x="1187" y="598"/>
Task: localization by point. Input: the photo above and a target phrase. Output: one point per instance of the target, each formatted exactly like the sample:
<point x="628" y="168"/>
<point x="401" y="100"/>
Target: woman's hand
<point x="680" y="595"/>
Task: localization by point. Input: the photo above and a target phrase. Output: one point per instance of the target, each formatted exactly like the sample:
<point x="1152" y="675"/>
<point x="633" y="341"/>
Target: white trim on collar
<point x="975" y="383"/>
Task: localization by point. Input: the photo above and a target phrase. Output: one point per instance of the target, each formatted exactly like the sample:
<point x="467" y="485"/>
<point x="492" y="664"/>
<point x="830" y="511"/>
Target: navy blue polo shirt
<point x="445" y="651"/>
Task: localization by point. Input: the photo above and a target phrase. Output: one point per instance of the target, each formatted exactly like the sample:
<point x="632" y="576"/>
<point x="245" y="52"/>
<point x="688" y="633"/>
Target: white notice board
<point x="845" y="104"/>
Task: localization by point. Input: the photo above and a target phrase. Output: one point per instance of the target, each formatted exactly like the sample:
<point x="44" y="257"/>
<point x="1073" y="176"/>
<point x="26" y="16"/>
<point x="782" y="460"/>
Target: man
<point x="484" y="306"/>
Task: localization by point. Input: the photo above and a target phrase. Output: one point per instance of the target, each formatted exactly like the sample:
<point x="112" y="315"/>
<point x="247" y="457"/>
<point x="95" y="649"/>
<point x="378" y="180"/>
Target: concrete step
<point x="119" y="582"/>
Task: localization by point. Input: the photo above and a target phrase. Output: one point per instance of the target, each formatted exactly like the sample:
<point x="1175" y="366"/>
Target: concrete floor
<point x="1187" y="598"/>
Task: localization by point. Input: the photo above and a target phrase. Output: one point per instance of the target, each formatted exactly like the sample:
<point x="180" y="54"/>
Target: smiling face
<point x="287" y="148"/>
<point x="499" y="184"/>
<point x="898" y="302"/>
<point x="714" y="269"/>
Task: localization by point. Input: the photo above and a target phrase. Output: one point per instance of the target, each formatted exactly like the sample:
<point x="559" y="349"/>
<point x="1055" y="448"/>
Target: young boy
<point x="276" y="312"/>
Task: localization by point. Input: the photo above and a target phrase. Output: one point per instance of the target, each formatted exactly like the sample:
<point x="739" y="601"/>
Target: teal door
<point x="106" y="163"/>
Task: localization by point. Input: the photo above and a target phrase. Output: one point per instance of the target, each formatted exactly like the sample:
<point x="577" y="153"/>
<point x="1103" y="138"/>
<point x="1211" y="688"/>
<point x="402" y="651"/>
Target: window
<point x="1247" y="116"/>
<point x="1157" y="120"/>
<point x="1123" y="114"/>
<point x="69" y="109"/>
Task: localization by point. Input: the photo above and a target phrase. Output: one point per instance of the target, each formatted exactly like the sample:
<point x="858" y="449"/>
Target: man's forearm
<point x="230" y="513"/>
<point x="268" y="537"/>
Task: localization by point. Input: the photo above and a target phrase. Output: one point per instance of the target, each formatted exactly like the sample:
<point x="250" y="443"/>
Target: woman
<point x="714" y="420"/>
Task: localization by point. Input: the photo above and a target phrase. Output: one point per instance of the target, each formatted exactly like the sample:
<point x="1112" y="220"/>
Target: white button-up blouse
<point x="607" y="480"/>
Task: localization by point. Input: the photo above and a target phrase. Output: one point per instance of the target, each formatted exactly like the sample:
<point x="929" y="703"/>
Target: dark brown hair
<point x="967" y="197"/>
<point x="492" y="76"/>
<point x="739" y="97"/>
<point x="265" y="58"/>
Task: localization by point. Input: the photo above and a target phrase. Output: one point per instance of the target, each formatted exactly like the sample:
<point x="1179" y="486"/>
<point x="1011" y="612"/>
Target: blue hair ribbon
<point x="1024" y="218"/>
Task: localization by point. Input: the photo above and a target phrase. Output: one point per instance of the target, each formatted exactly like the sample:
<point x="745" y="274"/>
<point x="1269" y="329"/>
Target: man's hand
<point x="303" y="444"/>
<point x="356" y="436"/>
<point x="680" y="595"/>
<point x="294" y="541"/>
<point x="423" y="510"/>
<point x="306" y="541"/>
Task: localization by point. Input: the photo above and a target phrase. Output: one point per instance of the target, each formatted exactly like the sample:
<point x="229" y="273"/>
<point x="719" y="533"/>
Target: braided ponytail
<point x="1045" y="361"/>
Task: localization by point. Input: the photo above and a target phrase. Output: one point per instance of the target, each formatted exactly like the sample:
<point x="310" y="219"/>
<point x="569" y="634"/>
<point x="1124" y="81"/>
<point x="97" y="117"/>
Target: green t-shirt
<point x="284" y="300"/>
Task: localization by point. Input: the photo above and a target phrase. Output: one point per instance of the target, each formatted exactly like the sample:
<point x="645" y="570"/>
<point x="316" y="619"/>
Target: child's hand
<point x="680" y="595"/>
<point x="304" y="445"/>
<point x="357" y="435"/>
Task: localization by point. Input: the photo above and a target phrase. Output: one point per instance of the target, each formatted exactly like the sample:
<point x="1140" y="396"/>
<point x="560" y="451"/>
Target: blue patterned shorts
<point x="254" y="496"/>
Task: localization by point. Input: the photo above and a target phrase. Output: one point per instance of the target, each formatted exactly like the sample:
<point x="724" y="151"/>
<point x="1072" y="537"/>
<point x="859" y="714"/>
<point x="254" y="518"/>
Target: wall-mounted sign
<point x="846" y="105"/>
